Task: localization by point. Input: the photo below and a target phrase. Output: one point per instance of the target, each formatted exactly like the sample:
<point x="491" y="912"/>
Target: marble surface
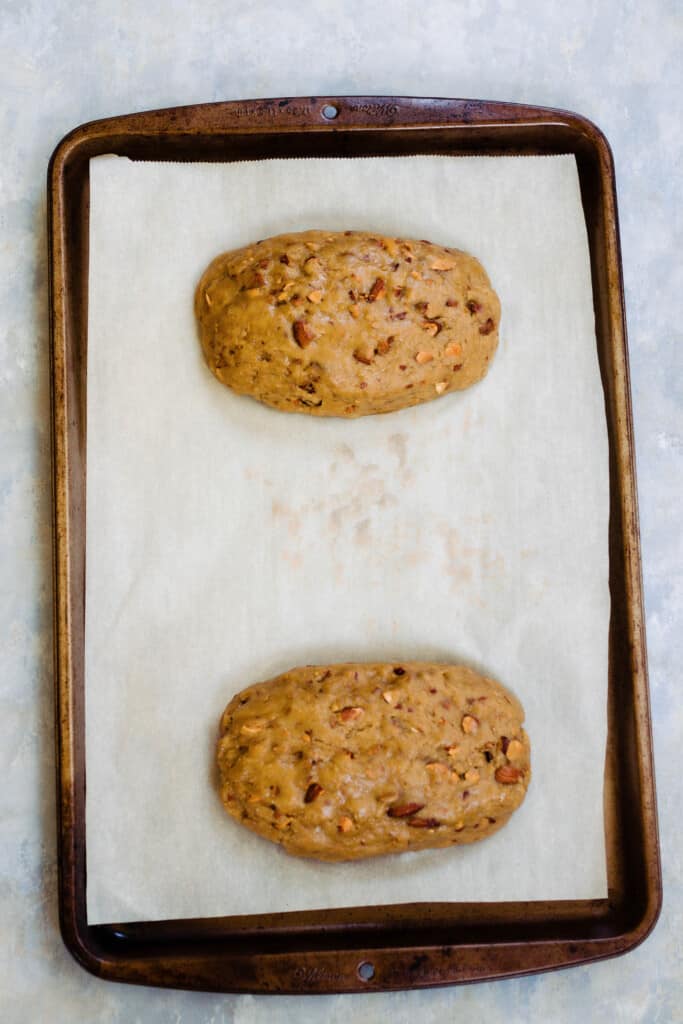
<point x="65" y="63"/>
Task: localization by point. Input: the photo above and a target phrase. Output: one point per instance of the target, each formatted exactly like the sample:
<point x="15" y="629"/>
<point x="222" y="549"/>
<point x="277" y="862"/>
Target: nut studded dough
<point x="346" y="323"/>
<point x="341" y="762"/>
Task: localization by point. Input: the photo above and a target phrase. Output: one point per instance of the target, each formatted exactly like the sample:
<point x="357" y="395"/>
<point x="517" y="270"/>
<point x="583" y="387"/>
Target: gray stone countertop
<point x="618" y="63"/>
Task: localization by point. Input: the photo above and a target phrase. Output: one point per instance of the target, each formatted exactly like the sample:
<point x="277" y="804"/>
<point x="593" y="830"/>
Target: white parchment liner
<point x="227" y="542"/>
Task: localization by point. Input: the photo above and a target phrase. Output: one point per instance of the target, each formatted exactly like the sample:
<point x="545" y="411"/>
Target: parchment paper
<point x="227" y="542"/>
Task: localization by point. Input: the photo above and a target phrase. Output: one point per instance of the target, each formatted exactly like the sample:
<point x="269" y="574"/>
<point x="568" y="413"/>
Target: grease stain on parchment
<point x="363" y="533"/>
<point x="292" y="517"/>
<point x="398" y="444"/>
<point x="463" y="561"/>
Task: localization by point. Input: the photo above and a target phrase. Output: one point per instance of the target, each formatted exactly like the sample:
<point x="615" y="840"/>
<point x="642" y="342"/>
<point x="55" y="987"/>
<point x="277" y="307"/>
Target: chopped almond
<point x="377" y="290"/>
<point x="362" y="357"/>
<point x="404" y="810"/>
<point x="252" y="728"/>
<point x="303" y="335"/>
<point x="350" y="714"/>
<point x="515" y="750"/>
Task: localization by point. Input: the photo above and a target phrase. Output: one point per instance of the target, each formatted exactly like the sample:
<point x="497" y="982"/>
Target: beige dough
<point x="346" y="323"/>
<point x="341" y="762"/>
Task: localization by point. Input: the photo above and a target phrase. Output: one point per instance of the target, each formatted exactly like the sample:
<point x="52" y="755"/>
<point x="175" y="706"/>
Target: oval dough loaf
<point x="346" y="761"/>
<point x="346" y="323"/>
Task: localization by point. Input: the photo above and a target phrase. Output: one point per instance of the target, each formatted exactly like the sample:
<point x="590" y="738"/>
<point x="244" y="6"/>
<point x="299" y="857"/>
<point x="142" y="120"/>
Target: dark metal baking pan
<point x="362" y="948"/>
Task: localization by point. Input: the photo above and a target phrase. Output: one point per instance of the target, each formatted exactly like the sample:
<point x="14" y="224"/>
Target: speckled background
<point x="64" y="63"/>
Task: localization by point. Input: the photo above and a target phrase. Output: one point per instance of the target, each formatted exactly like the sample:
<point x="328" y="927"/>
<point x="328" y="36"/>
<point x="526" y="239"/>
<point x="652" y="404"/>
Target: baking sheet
<point x="227" y="542"/>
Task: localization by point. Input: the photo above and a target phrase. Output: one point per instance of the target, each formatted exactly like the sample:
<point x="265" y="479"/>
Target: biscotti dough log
<point x="346" y="761"/>
<point x="346" y="323"/>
